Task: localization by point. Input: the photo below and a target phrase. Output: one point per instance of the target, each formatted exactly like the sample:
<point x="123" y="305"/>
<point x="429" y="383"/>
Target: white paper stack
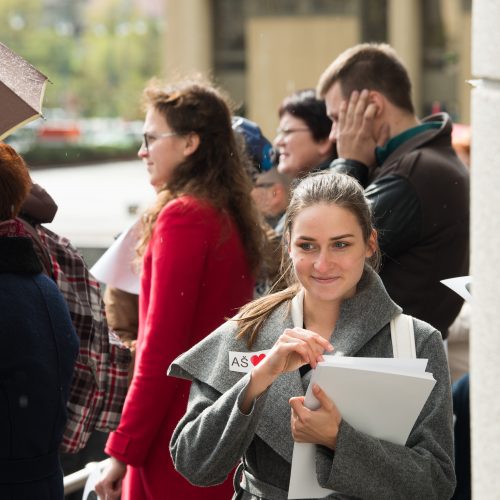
<point x="116" y="265"/>
<point x="381" y="397"/>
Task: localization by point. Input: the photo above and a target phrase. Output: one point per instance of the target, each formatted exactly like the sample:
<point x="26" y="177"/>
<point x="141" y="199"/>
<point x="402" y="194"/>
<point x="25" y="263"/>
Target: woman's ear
<point x="192" y="143"/>
<point x="371" y="246"/>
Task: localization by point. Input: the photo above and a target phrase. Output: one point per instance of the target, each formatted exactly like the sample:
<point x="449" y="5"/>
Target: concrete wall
<point x="404" y="34"/>
<point x="485" y="251"/>
<point x="288" y="54"/>
<point x="464" y="73"/>
<point x="188" y="37"/>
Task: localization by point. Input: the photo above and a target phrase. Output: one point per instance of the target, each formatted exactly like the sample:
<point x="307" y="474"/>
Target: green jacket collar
<point x="383" y="152"/>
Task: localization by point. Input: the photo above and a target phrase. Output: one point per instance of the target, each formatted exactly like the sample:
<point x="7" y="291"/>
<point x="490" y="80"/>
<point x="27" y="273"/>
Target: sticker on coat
<point x="244" y="362"/>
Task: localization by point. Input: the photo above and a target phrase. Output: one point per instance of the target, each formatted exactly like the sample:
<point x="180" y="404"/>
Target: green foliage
<point x="54" y="155"/>
<point x="98" y="54"/>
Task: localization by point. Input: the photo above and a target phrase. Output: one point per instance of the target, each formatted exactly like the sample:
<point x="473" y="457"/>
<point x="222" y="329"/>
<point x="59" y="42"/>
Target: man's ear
<point x="378" y="99"/>
<point x="278" y="190"/>
<point x="325" y="146"/>
<point x="191" y="144"/>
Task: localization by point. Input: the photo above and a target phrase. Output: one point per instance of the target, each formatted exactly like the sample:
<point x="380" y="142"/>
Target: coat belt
<point x="261" y="489"/>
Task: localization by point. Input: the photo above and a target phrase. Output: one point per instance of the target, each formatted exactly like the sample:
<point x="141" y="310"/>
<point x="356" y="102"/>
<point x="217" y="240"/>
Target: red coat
<point x="195" y="273"/>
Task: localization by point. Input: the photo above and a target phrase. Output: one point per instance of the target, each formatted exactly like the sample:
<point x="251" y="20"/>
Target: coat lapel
<point x="361" y="318"/>
<point x="274" y="427"/>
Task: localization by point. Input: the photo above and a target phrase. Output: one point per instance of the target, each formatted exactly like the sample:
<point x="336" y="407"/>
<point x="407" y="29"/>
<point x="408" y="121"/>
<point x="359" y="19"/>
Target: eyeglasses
<point x="263" y="185"/>
<point x="285" y="132"/>
<point x="148" y="139"/>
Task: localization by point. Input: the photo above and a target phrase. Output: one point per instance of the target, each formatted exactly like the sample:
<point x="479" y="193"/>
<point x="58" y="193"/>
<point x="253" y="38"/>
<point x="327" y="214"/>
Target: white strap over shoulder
<point x="403" y="337"/>
<point x="298" y="310"/>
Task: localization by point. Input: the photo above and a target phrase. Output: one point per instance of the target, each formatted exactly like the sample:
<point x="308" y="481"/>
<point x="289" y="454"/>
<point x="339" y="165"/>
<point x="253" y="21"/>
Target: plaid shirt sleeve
<point x="100" y="378"/>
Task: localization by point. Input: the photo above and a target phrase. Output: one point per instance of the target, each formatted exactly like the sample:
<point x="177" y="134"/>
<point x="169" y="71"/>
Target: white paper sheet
<point x="116" y="266"/>
<point x="411" y="366"/>
<point x="461" y="285"/>
<point x="380" y="397"/>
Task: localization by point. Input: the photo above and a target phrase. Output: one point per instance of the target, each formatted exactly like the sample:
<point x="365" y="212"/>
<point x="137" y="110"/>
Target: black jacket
<point x="37" y="356"/>
<point x="420" y="201"/>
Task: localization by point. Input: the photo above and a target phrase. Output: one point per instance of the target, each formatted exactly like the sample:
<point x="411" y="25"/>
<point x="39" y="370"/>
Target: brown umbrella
<point x="21" y="91"/>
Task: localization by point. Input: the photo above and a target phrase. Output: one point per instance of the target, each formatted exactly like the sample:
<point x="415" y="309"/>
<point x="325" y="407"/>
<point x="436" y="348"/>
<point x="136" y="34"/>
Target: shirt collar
<point x="383" y="152"/>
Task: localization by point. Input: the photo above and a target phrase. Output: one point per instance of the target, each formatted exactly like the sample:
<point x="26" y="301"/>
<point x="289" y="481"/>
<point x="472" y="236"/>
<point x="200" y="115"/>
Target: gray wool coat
<point x="213" y="436"/>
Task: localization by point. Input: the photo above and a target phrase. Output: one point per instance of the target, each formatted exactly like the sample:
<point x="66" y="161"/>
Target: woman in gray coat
<point x="250" y="375"/>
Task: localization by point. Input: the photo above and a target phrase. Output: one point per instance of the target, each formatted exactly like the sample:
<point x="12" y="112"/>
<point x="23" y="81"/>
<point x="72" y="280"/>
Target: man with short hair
<point x="271" y="192"/>
<point x="418" y="187"/>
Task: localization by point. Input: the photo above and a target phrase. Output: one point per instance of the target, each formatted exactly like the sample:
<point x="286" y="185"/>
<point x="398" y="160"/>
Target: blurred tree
<point x="120" y="53"/>
<point x="99" y="56"/>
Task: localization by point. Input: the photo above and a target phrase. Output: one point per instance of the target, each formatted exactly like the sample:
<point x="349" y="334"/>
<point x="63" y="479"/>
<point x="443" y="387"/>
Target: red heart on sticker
<point x="255" y="360"/>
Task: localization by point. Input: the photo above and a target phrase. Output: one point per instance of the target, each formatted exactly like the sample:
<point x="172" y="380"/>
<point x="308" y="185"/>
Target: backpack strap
<point x="403" y="337"/>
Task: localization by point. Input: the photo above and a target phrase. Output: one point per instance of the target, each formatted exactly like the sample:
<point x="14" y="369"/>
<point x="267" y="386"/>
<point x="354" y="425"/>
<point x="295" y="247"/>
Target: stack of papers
<point x="381" y="397"/>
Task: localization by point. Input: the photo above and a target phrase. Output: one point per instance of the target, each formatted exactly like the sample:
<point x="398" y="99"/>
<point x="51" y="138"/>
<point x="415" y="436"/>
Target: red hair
<point x="15" y="182"/>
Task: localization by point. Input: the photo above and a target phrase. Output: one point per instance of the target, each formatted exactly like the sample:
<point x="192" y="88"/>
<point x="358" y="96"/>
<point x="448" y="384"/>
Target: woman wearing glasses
<point x="200" y="249"/>
<point x="302" y="141"/>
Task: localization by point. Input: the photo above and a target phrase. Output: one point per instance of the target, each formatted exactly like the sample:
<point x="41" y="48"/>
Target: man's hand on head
<point x="357" y="137"/>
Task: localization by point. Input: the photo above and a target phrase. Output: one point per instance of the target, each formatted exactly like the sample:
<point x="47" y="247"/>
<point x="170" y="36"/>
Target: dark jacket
<point x="100" y="380"/>
<point x="37" y="356"/>
<point x="420" y="199"/>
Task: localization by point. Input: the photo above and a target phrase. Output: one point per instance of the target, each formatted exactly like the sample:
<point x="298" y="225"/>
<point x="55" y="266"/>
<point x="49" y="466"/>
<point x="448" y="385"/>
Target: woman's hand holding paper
<point x="319" y="426"/>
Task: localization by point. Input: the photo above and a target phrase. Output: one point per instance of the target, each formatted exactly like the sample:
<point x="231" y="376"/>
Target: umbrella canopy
<point x="21" y="91"/>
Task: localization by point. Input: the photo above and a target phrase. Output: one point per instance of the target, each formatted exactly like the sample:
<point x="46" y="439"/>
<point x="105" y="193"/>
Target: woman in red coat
<point x="200" y="252"/>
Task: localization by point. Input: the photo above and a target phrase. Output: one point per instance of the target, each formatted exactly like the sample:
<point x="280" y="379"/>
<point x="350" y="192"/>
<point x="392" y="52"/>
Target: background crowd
<point x="225" y="229"/>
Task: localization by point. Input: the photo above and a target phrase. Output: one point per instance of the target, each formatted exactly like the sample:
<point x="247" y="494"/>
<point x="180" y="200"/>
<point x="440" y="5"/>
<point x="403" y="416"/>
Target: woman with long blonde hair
<point x="249" y="377"/>
<point x="200" y="249"/>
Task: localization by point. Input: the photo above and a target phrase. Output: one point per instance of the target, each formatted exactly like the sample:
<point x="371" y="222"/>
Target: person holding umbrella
<point x="39" y="348"/>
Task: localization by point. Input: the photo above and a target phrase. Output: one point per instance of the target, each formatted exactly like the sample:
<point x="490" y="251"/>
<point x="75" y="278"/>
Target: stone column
<point x="404" y="26"/>
<point x="485" y="251"/>
<point x="188" y="37"/>
<point x="457" y="21"/>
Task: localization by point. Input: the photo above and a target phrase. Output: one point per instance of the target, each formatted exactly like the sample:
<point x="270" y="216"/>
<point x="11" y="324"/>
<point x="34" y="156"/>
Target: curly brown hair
<point x="15" y="182"/>
<point x="215" y="171"/>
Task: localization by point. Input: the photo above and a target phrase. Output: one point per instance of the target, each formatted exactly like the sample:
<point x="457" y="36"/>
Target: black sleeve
<point x="397" y="213"/>
<point x="353" y="168"/>
<point x="396" y="207"/>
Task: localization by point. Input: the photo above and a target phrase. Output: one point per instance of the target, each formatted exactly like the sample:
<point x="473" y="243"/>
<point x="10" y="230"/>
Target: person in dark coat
<point x="418" y="187"/>
<point x="39" y="348"/>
